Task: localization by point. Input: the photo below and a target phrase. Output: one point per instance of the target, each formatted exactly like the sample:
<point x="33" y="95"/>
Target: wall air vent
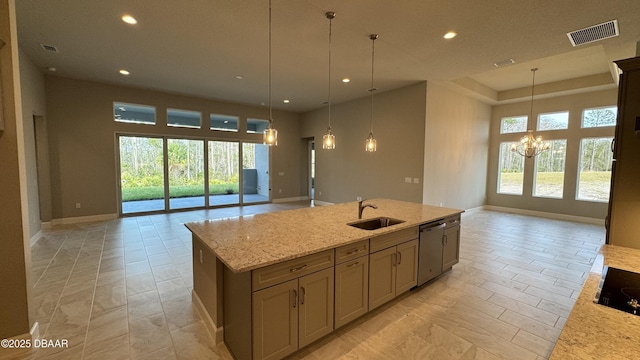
<point x="594" y="33"/>
<point x="49" y="48"/>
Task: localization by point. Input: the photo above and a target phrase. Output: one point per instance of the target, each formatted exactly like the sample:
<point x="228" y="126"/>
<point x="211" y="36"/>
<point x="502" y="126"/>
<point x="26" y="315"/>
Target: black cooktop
<point x="620" y="289"/>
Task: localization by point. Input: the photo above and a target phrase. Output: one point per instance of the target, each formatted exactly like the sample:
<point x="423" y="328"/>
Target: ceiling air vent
<point x="49" y="48"/>
<point x="594" y="33"/>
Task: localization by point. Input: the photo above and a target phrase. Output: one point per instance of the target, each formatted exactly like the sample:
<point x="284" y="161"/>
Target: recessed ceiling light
<point x="51" y="69"/>
<point x="286" y="101"/>
<point x="346" y="80"/>
<point x="129" y="19"/>
<point x="239" y="77"/>
<point x="124" y="72"/>
<point x="450" y="35"/>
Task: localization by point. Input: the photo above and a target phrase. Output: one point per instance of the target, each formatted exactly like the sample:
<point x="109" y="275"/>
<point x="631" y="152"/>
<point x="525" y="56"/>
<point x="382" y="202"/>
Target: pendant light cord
<point x="373" y="38"/>
<point x="533" y="84"/>
<point x="330" y="16"/>
<point x="270" y="111"/>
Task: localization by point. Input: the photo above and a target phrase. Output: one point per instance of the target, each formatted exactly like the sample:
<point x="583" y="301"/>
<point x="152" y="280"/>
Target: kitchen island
<point x="595" y="331"/>
<point x="244" y="266"/>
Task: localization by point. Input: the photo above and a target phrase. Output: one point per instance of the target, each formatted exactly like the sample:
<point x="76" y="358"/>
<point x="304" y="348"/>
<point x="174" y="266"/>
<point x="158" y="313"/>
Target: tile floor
<point x="121" y="290"/>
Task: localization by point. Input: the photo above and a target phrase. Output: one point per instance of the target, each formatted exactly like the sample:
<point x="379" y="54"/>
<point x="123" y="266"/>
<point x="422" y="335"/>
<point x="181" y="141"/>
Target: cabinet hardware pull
<point x="302" y="295"/>
<point x="298" y="268"/>
<point x="439" y="226"/>
<point x="612" y="142"/>
<point x="445" y="240"/>
<point x="353" y="251"/>
<point x="399" y="257"/>
<point x="295" y="298"/>
<point x="354" y="264"/>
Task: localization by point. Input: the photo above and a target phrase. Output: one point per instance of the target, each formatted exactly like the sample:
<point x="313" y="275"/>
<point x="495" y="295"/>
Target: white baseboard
<point x="290" y="199"/>
<point x="322" y="203"/>
<point x="581" y="219"/>
<point x="83" y="219"/>
<point x="32" y="335"/>
<point x="34" y="239"/>
<point x="217" y="332"/>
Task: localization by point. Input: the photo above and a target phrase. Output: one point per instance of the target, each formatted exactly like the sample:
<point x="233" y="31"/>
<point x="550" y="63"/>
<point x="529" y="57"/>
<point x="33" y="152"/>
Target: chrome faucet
<point x="361" y="207"/>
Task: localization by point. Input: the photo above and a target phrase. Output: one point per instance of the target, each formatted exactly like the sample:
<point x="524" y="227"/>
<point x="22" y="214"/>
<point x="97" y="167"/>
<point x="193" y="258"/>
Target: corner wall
<point x="15" y="254"/>
<point x="455" y="149"/>
<point x="33" y="103"/>
<point x="349" y="171"/>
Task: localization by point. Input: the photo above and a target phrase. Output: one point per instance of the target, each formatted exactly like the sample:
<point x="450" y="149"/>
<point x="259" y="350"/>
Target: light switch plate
<point x="407" y="180"/>
<point x="416" y="181"/>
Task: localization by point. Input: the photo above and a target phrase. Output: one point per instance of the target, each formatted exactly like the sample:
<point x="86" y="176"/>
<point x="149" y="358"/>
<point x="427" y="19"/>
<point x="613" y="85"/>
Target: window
<point x="223" y="122"/>
<point x="599" y="117"/>
<point x="513" y="124"/>
<point x="183" y="118"/>
<point x="135" y="114"/>
<point x="549" y="170"/>
<point x="510" y="171"/>
<point x="256" y="126"/>
<point x="553" y="121"/>
<point x="594" y="171"/>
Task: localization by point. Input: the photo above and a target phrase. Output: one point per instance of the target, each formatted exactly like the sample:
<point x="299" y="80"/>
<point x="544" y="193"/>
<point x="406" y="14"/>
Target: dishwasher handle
<point x="433" y="227"/>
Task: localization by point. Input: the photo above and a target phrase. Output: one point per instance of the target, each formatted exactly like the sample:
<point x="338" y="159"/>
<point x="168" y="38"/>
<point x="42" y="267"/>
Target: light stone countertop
<point x="249" y="242"/>
<point x="595" y="331"/>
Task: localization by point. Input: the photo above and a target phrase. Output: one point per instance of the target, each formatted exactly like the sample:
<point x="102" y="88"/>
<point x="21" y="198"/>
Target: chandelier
<point x="531" y="145"/>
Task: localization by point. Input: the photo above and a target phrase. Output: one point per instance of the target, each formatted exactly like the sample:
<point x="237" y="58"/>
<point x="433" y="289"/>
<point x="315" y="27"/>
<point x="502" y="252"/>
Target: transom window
<point x="513" y="124"/>
<point x="599" y="117"/>
<point x="256" y="126"/>
<point x="134" y="113"/>
<point x="183" y="118"/>
<point x="553" y="121"/>
<point x="223" y="122"/>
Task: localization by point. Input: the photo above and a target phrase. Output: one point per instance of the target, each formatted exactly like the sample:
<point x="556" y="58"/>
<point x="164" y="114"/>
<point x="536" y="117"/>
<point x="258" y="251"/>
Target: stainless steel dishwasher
<point x="430" y="251"/>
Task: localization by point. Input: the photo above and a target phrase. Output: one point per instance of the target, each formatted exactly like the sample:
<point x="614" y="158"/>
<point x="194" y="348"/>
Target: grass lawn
<point x="593" y="185"/>
<point x="157" y="192"/>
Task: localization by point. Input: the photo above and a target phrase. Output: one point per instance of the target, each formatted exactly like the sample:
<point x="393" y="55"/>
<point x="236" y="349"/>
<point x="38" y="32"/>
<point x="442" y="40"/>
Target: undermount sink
<point x="375" y="223"/>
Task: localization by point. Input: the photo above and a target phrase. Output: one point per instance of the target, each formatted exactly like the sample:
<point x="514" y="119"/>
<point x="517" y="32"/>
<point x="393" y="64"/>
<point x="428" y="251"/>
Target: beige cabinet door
<point x="407" y="266"/>
<point x="382" y="277"/>
<point x="275" y="321"/>
<point x="316" y="306"/>
<point x="352" y="290"/>
<point x="451" y="247"/>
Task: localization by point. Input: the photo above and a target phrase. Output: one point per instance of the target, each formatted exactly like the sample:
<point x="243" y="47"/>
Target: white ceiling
<point x="198" y="47"/>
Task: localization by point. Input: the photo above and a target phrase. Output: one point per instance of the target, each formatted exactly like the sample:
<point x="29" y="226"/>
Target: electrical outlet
<point x="416" y="181"/>
<point x="407" y="180"/>
<point x="78" y="206"/>
<point x="281" y="173"/>
<point x="359" y="198"/>
<point x="319" y="192"/>
<point x="280" y="190"/>
<point x="201" y="259"/>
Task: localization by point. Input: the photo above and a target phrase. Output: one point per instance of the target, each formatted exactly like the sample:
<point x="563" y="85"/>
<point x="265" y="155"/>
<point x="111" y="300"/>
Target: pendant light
<point x="270" y="136"/>
<point x="370" y="144"/>
<point x="329" y="140"/>
<point x="530" y="145"/>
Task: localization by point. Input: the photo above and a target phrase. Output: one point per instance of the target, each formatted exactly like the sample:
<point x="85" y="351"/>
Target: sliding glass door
<point x="224" y="178"/>
<point x="255" y="173"/>
<point x="141" y="174"/>
<point x="185" y="160"/>
<point x="161" y="174"/>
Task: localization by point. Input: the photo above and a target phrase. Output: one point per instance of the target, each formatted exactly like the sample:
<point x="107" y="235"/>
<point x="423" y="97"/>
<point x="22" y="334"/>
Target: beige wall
<point x="15" y="257"/>
<point x="348" y="171"/>
<point x="574" y="104"/>
<point x="33" y="103"/>
<point x="82" y="140"/>
<point x="455" y="149"/>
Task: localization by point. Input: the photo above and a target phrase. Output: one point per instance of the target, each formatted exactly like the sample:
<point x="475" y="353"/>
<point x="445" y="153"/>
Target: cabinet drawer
<point x="291" y="269"/>
<point x="352" y="251"/>
<point x="392" y="239"/>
